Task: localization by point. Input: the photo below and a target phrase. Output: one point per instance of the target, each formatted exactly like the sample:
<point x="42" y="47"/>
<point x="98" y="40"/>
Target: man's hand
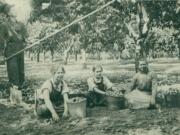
<point x="99" y="91"/>
<point x="55" y="117"/>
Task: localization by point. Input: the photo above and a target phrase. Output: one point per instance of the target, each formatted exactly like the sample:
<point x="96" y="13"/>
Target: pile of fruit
<point x="4" y="89"/>
<point x="168" y="89"/>
<point x="28" y="89"/>
<point x="77" y="86"/>
<point x="114" y="93"/>
<point x="118" y="89"/>
<point x="168" y="95"/>
<point x="167" y="82"/>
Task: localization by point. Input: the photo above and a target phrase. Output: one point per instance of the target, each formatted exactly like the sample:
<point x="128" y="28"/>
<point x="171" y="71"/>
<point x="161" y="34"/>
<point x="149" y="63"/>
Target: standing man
<point x="14" y="38"/>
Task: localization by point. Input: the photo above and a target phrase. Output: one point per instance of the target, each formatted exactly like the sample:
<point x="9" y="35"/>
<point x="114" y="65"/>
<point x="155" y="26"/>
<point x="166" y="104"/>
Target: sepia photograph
<point x="89" y="67"/>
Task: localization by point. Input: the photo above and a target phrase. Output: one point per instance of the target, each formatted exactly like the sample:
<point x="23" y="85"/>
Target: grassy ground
<point x="100" y="120"/>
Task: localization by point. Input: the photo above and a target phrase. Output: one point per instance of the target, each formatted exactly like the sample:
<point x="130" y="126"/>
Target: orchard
<point x="79" y="34"/>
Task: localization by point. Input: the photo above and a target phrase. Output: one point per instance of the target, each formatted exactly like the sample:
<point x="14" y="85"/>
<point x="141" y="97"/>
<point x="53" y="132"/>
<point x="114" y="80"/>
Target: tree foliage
<point x="102" y="30"/>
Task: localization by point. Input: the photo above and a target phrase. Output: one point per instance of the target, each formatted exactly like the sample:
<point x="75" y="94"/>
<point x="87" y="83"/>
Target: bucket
<point x="77" y="107"/>
<point x="115" y="103"/>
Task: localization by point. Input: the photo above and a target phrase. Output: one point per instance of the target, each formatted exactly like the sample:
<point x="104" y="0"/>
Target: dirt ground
<point x="100" y="121"/>
<point x="15" y="120"/>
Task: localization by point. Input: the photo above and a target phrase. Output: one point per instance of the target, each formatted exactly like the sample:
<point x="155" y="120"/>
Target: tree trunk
<point x="66" y="56"/>
<point x="34" y="55"/>
<point x="31" y="57"/>
<point x="76" y="56"/>
<point x="29" y="54"/>
<point x="44" y="56"/>
<point x="99" y="55"/>
<point x="52" y="55"/>
<point x="179" y="50"/>
<point x="66" y="61"/>
<point x="38" y="56"/>
<point x="83" y="54"/>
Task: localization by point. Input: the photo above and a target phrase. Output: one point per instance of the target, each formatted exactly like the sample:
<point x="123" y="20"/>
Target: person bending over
<point x="98" y="85"/>
<point x="52" y="94"/>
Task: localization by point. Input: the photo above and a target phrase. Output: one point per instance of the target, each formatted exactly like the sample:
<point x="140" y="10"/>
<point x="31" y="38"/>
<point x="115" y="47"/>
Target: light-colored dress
<point x="142" y="91"/>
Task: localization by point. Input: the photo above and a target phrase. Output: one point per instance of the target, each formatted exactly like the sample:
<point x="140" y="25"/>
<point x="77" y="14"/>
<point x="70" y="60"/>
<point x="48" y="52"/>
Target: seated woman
<point x="98" y="85"/>
<point x="52" y="94"/>
<point x="143" y="89"/>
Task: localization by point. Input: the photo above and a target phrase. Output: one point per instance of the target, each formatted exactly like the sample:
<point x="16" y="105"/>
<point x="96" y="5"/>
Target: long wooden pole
<point x="63" y="28"/>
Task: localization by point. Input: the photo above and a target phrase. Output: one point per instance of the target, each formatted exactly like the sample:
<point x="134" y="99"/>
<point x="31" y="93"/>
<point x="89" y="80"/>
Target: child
<point x="98" y="85"/>
<point x="52" y="93"/>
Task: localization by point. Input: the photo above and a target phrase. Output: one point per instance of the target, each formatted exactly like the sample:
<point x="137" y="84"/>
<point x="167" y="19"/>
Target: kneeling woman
<point x="52" y="94"/>
<point x="143" y="89"/>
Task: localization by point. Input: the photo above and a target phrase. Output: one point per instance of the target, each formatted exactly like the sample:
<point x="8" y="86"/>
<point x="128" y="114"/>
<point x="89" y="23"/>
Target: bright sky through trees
<point x="21" y="9"/>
